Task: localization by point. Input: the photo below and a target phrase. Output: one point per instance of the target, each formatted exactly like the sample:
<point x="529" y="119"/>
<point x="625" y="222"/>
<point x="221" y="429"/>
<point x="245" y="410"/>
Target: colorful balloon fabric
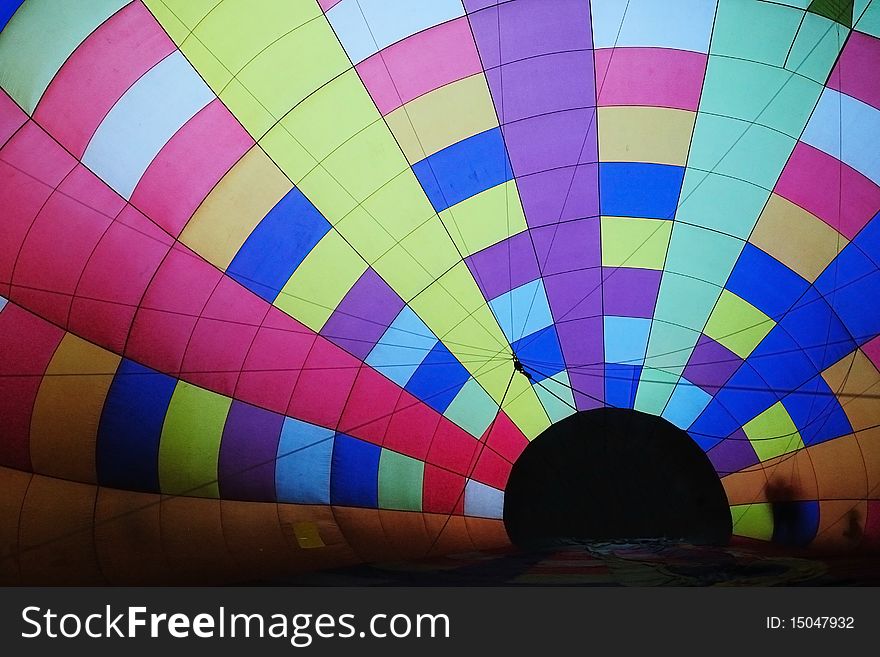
<point x="264" y="267"/>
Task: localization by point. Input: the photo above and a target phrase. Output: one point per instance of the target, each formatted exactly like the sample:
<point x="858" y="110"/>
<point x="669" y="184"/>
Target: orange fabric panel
<point x="840" y="469"/>
<point x="128" y="538"/>
<point x="487" y="533"/>
<point x="254" y="537"/>
<point x="856" y="379"/>
<point x="68" y="408"/>
<point x="193" y="542"/>
<point x="746" y="486"/>
<point x="841" y="524"/>
<point x="406" y="533"/>
<point x="56" y="533"/>
<point x="13" y="486"/>
<point x="363" y="531"/>
<point x="448" y="536"/>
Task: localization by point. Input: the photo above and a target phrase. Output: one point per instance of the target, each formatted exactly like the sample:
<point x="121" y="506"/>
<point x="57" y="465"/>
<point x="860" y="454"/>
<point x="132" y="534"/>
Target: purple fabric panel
<point x="574" y="295"/>
<point x="733" y="454"/>
<point x="247" y="453"/>
<point x="585" y="354"/>
<point x="543" y="85"/>
<point x="628" y="292"/>
<point x="528" y="28"/>
<point x="553" y="141"/>
<point x="504" y="266"/>
<point x="363" y="315"/>
<point x="711" y="364"/>
<point x="567" y="246"/>
<point x="552" y="196"/>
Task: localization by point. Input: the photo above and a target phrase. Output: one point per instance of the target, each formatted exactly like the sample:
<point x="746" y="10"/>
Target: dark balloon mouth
<point x="614" y="474"/>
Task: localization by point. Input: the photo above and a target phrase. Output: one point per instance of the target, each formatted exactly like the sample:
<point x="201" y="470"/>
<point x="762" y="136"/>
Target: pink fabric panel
<point x="453" y="448"/>
<point x="27" y="344"/>
<point x="872" y="351"/>
<point x="56" y="250"/>
<point x="370" y="405"/>
<point x="833" y="191"/>
<point x="98" y="73"/>
<point x="505" y="438"/>
<point x="31" y="166"/>
<point x="442" y="491"/>
<point x="856" y="72"/>
<point x="323" y="386"/>
<point x="189" y="166"/>
<point x="272" y="366"/>
<point x="115" y="278"/>
<point x="223" y="336"/>
<point x="412" y="427"/>
<point x="656" y="77"/>
<point x="168" y="313"/>
<point x="419" y="64"/>
<point x="326" y="5"/>
<point x="491" y="469"/>
<point x="11" y="117"/>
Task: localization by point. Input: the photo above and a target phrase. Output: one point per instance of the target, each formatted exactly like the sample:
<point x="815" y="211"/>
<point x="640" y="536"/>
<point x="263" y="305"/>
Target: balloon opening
<point x="614" y="474"/>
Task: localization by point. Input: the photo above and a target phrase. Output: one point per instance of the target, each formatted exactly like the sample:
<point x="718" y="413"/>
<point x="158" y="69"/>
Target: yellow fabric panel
<point x="311" y="295"/>
<point x="68" y="409"/>
<point x="796" y="238"/>
<point x="234" y="207"/>
<point x="645" y="134"/>
<point x="485" y="218"/>
<point x="443" y="117"/>
<point x="856" y="379"/>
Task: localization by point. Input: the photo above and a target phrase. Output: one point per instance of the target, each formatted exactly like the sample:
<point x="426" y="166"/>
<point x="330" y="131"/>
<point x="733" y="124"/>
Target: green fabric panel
<point x="189" y="449"/>
<point x="688" y="302"/>
<point x="840" y="11"/>
<point x="754" y="92"/>
<point x="633" y="242"/>
<point x="556" y="396"/>
<point x="773" y="433"/>
<point x="756" y="31"/>
<point x="400" y="482"/>
<point x="39" y="39"/>
<point x="695" y="252"/>
<point x="739" y="149"/>
<point x="753" y="520"/>
<point x="722" y="203"/>
<point x="737" y="324"/>
<point x="816" y="47"/>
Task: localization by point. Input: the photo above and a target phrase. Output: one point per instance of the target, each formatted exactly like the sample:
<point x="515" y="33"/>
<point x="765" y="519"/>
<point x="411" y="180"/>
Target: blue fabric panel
<point x="637" y="189"/>
<point x="780" y="361"/>
<point x="818" y="331"/>
<point x="764" y="282"/>
<point x="745" y="395"/>
<point x="127" y="450"/>
<point x="354" y="473"/>
<point x="540" y="353"/>
<point x="464" y="169"/>
<point x="621" y="383"/>
<point x="302" y="466"/>
<point x="278" y="244"/>
<point x="438" y="379"/>
<point x="816" y="412"/>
